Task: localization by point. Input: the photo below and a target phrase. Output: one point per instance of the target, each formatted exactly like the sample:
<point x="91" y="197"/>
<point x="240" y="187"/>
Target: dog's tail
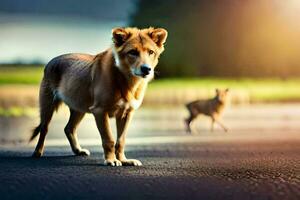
<point x="35" y="132"/>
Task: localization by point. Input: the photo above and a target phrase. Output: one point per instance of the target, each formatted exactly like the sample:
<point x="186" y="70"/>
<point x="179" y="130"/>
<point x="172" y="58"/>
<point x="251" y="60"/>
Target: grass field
<point x="183" y="89"/>
<point x="256" y="90"/>
<point x="20" y="75"/>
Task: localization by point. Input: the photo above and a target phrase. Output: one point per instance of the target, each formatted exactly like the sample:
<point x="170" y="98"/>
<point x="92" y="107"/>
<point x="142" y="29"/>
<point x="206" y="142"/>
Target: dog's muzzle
<point x="145" y="70"/>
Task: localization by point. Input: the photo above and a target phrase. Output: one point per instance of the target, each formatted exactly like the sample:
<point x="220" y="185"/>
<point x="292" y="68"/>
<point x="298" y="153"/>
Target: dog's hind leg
<point x="188" y="122"/>
<point x="48" y="104"/>
<point x="70" y="131"/>
<point x="193" y="113"/>
<point x="190" y="119"/>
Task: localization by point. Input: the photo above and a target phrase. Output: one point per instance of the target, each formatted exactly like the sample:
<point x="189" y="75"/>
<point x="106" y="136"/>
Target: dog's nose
<point x="145" y="69"/>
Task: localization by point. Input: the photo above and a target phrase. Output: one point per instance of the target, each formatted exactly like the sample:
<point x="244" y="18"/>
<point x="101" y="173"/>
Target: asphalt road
<point x="188" y="170"/>
<point x="258" y="159"/>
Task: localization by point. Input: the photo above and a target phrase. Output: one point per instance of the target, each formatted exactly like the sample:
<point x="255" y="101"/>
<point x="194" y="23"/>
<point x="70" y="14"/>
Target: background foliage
<point x="232" y="38"/>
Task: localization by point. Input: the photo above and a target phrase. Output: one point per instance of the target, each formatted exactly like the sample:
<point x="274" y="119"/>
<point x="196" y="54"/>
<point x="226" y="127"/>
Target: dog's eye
<point x="133" y="52"/>
<point x="151" y="52"/>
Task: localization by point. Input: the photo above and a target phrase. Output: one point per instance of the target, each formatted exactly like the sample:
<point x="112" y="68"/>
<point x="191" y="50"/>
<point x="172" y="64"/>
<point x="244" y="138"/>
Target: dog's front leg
<point x="222" y="125"/>
<point x="122" y="127"/>
<point x="217" y="119"/>
<point x="102" y="121"/>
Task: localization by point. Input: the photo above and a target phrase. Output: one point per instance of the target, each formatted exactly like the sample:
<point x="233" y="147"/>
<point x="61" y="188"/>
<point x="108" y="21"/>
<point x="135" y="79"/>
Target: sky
<point x="34" y="31"/>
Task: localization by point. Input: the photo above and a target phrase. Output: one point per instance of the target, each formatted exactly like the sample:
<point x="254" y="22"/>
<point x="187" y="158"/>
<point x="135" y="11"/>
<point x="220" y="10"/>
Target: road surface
<point x="258" y="159"/>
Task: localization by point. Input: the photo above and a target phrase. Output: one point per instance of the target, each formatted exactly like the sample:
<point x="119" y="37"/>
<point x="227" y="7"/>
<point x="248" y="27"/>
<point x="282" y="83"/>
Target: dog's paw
<point x="112" y="162"/>
<point x="82" y="152"/>
<point x="131" y="162"/>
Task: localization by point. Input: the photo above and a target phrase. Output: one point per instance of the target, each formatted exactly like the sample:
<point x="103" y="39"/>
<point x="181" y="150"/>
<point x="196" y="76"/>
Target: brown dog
<point x="110" y="84"/>
<point x="211" y="107"/>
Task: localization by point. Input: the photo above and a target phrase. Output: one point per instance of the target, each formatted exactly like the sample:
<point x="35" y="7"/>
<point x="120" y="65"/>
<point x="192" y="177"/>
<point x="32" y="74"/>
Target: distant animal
<point x="211" y="107"/>
<point x="109" y="84"/>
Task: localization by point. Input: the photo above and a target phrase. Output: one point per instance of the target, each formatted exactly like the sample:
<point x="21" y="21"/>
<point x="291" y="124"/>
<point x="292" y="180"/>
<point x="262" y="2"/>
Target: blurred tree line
<point x="250" y="38"/>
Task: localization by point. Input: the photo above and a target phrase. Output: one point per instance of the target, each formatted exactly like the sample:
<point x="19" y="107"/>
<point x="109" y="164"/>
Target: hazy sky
<point x="38" y="30"/>
<point x="98" y="10"/>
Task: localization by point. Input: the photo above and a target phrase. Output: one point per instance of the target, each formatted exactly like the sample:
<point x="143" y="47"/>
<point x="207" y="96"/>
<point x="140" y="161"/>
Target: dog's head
<point x="136" y="51"/>
<point x="222" y="95"/>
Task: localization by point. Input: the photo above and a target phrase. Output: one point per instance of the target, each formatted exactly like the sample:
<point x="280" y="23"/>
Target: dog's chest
<point x="122" y="107"/>
<point x="132" y="104"/>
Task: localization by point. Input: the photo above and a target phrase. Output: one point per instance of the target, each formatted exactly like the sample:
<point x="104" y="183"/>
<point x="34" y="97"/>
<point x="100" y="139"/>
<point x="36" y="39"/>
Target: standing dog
<point x="110" y="84"/>
<point x="211" y="107"/>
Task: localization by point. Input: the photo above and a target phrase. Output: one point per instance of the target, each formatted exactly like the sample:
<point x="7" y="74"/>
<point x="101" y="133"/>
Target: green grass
<point x="266" y="89"/>
<point x="17" y="112"/>
<point x="259" y="90"/>
<point x="21" y="75"/>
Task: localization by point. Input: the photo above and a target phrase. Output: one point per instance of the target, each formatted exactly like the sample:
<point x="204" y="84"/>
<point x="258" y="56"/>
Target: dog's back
<point x="200" y="107"/>
<point x="69" y="65"/>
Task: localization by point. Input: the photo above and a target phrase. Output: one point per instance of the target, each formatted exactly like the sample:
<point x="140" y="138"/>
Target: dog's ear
<point x="158" y="35"/>
<point x="227" y="90"/>
<point x="120" y="35"/>
<point x="217" y="91"/>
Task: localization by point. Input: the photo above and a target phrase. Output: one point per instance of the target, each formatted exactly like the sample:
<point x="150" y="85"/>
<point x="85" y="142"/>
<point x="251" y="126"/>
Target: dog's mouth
<point x="141" y="75"/>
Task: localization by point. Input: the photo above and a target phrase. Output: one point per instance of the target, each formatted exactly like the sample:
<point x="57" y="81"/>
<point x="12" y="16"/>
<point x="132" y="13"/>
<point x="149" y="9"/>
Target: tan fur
<point x="110" y="84"/>
<point x="212" y="107"/>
